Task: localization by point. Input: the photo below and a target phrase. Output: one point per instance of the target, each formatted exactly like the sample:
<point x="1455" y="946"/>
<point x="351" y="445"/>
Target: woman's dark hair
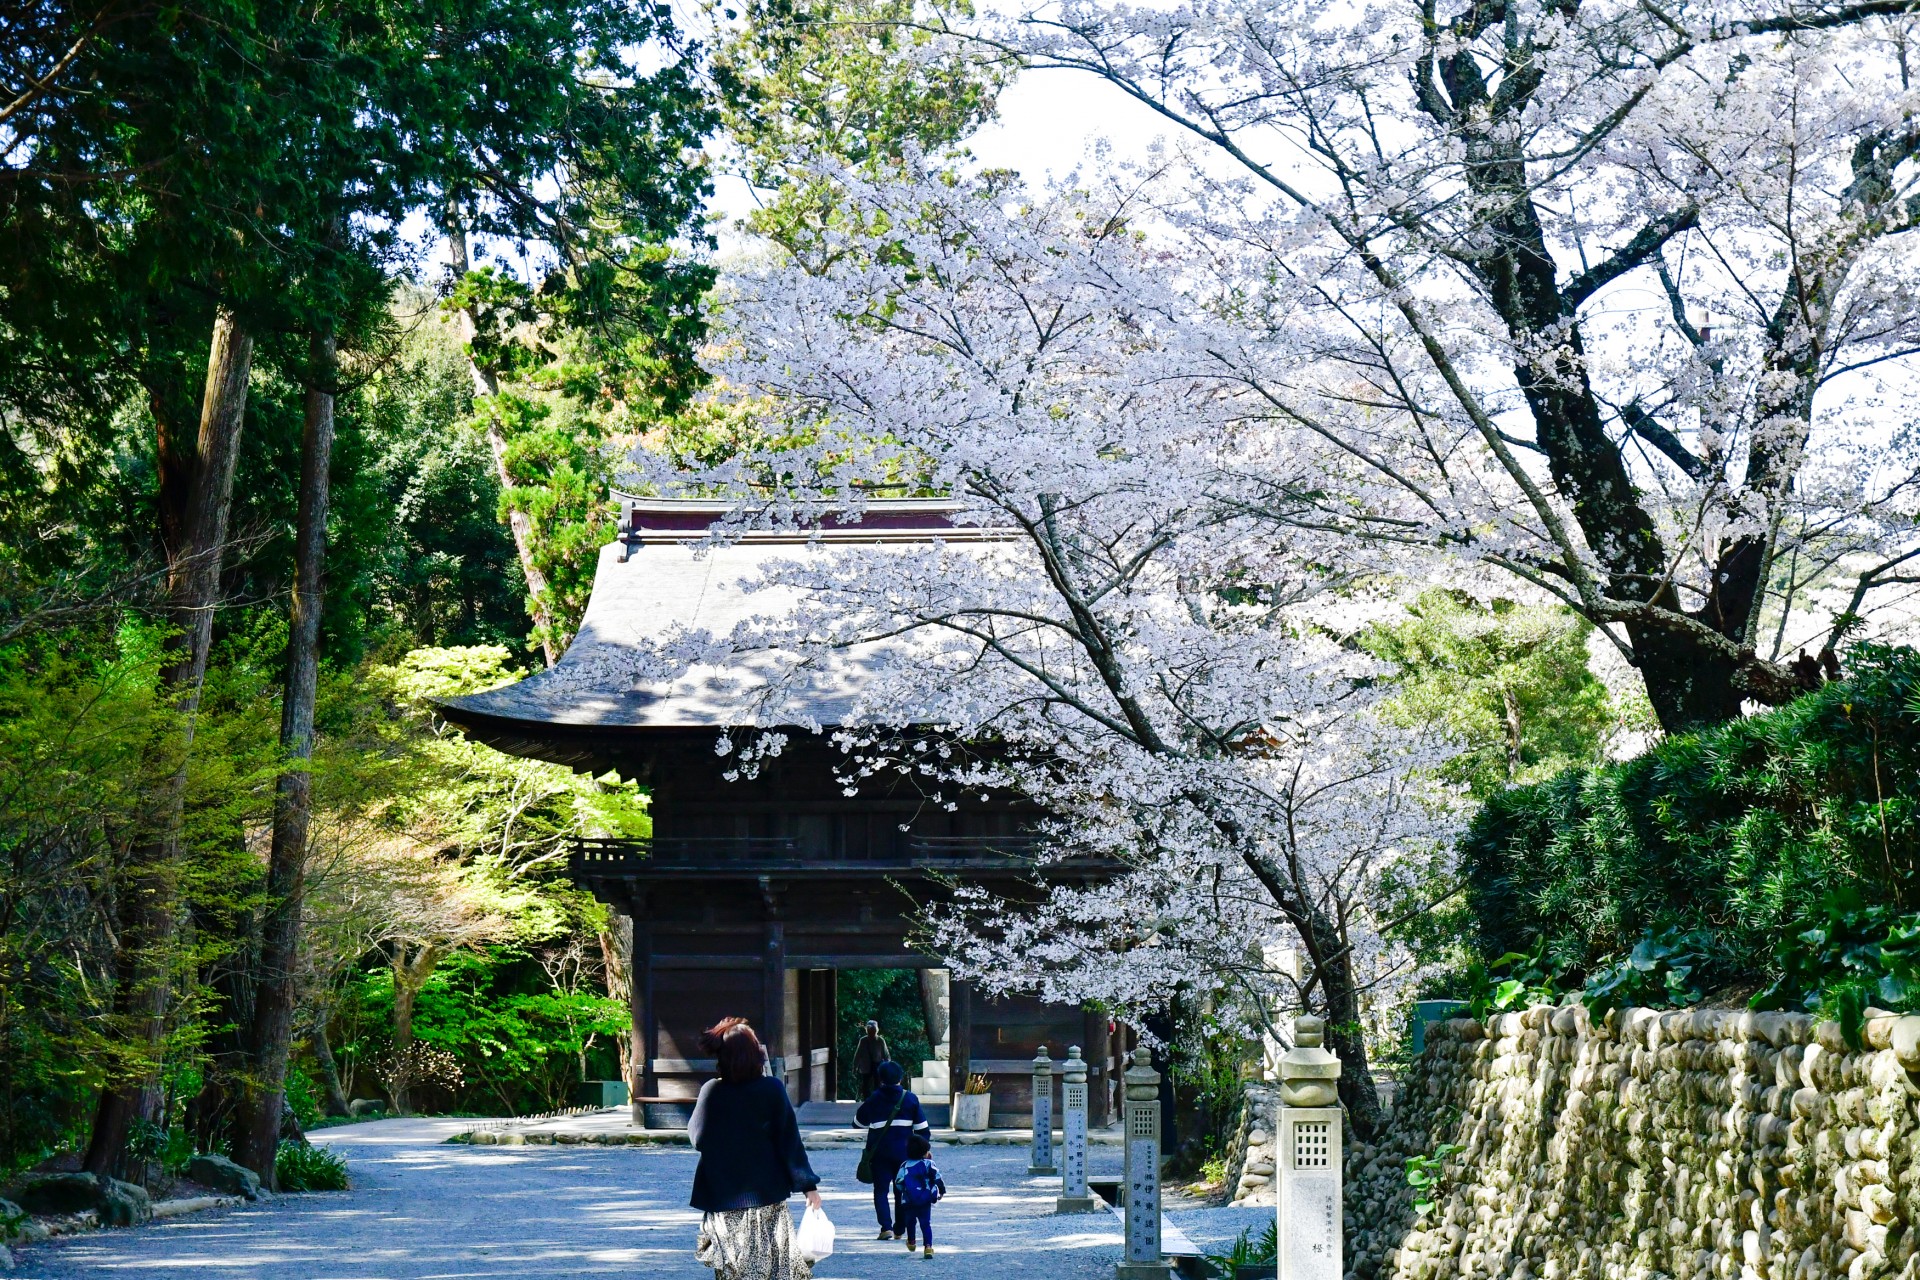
<point x="732" y="1042"/>
<point x="890" y="1072"/>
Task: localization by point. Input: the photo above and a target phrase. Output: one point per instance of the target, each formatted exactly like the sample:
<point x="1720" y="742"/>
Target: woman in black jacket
<point x="751" y="1161"/>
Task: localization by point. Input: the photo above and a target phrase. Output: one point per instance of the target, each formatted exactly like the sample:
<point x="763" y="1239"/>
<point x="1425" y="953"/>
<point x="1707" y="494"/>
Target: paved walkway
<point x="614" y="1126"/>
<point x="424" y="1210"/>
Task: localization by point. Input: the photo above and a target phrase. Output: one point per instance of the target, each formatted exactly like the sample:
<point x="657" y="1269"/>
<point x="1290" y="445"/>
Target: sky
<point x="1049" y="119"/>
<point x="1049" y="122"/>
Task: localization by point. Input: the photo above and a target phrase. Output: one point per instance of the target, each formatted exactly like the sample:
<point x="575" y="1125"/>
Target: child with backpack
<point x="918" y="1187"/>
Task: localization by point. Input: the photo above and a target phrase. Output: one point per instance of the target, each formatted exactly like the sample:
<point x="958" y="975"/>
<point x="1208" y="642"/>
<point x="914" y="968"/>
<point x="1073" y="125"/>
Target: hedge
<point x="1742" y="829"/>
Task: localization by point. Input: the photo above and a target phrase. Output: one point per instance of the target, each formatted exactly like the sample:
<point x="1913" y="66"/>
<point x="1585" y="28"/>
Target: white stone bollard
<point x="1308" y="1203"/>
<point x="1073" y="1131"/>
<point x="1141" y="1127"/>
<point x="1042" y="1159"/>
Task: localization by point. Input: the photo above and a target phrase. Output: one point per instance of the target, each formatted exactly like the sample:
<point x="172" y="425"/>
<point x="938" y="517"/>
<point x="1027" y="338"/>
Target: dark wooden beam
<point x="773" y="978"/>
<point x="640" y="992"/>
<point x="959" y="1032"/>
<point x="863" y="960"/>
<point x="1094" y="1049"/>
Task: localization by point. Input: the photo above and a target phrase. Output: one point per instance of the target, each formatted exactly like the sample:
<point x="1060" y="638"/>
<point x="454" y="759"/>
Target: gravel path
<point x="421" y="1209"/>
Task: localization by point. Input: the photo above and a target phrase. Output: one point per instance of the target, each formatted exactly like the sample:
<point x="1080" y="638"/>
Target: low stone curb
<point x="194" y="1204"/>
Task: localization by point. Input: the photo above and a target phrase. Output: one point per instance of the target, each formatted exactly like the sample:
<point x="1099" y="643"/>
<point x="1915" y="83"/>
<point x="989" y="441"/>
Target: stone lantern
<point x="1140" y="1124"/>
<point x="1308" y="1203"/>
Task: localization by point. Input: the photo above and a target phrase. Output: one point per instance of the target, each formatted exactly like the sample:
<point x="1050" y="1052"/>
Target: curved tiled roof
<point x="661" y="579"/>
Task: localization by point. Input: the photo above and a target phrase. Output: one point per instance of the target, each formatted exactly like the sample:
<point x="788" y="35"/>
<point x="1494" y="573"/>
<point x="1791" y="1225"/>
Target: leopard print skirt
<point x="752" y="1244"/>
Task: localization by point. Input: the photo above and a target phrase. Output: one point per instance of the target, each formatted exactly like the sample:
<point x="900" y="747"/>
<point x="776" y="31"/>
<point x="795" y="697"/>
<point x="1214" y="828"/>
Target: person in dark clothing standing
<point x="751" y="1161"/>
<point x="867" y="1058"/>
<point x="890" y="1116"/>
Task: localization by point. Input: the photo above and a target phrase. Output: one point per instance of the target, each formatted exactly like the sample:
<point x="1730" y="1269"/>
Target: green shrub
<point x="171" y="1149"/>
<point x="1427" y="1175"/>
<point x="1246" y="1251"/>
<point x="1665" y="970"/>
<point x="1512" y="981"/>
<point x="1854" y="956"/>
<point x="302" y="1096"/>
<point x="1739" y="831"/>
<point x="298" y="1167"/>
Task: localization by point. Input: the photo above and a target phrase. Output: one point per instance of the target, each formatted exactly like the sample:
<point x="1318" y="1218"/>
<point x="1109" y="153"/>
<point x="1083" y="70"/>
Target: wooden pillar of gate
<point x="645" y="1019"/>
<point x="959" y="1036"/>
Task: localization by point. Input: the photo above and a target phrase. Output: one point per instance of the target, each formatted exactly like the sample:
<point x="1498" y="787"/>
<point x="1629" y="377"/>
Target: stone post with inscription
<point x="1308" y="1202"/>
<point x="1042" y="1161"/>
<point x="1073" y="1135"/>
<point x="1140" y="1126"/>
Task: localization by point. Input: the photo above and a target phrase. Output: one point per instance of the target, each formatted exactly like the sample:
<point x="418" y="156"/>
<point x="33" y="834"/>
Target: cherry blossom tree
<point x="1114" y="628"/>
<point x="1620" y="292"/>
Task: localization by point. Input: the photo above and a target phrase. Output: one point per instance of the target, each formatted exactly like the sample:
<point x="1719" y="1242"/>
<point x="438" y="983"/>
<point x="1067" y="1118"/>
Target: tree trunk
<point x="402" y="1075"/>
<point x="209" y="1113"/>
<point x="616" y="959"/>
<point x="933" y="1007"/>
<point x="409" y="976"/>
<point x="257" y="1130"/>
<point x="1510" y="704"/>
<point x="198" y="491"/>
<point x="336" y="1103"/>
<point x="1346" y="1036"/>
<point x="486" y="383"/>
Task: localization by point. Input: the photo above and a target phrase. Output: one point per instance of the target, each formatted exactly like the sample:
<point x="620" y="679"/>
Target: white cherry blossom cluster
<point x="1141" y="621"/>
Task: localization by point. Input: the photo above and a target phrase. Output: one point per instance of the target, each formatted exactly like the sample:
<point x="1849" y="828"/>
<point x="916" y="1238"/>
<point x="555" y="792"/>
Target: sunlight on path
<point x="423" y="1210"/>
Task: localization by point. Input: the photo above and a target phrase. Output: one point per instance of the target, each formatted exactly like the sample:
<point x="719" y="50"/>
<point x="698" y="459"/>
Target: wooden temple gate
<point x="754" y="893"/>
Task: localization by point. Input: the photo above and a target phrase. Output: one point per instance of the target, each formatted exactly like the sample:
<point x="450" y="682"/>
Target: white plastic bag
<point x="816" y="1235"/>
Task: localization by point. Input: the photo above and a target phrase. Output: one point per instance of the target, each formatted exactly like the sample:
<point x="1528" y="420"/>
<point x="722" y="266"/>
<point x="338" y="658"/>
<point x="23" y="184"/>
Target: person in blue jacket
<point x="889" y="1116"/>
<point x="918" y="1187"/>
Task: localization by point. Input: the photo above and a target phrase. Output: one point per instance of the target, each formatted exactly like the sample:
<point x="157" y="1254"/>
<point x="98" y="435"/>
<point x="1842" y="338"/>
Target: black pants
<point x="921" y="1215"/>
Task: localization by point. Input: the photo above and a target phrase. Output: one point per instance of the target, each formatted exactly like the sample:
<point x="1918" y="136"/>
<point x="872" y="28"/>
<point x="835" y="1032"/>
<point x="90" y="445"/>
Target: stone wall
<point x="1250" y="1152"/>
<point x="1697" y="1144"/>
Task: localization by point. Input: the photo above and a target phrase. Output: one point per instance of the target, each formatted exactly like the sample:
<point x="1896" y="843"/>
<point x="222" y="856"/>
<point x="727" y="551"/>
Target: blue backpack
<point x="920" y="1183"/>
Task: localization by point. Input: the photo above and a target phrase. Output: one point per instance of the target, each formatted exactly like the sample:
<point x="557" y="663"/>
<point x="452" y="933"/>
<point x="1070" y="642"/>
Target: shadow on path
<point x="424" y="1210"/>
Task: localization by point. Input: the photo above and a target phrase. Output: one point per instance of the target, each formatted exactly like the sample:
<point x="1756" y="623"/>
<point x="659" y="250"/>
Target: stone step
<point x="815" y="1115"/>
<point x="838" y="1113"/>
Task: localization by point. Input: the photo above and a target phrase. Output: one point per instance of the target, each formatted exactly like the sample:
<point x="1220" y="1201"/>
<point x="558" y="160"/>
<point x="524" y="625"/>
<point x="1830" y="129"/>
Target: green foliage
<point x="170" y="1149"/>
<point x="261" y="158"/>
<point x="858" y="82"/>
<point x="1664" y="970"/>
<point x="303" y="1096"/>
<point x="1209" y="1064"/>
<point x="1510" y="682"/>
<point x="474" y="799"/>
<point x="513" y="1043"/>
<point x="89" y="750"/>
<point x="1513" y="981"/>
<point x="1852" y="956"/>
<point x="1247" y="1250"/>
<point x="1427" y="1175"/>
<point x="300" y="1167"/>
<point x="890" y="997"/>
<point x="1742" y="830"/>
<point x="416" y="503"/>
